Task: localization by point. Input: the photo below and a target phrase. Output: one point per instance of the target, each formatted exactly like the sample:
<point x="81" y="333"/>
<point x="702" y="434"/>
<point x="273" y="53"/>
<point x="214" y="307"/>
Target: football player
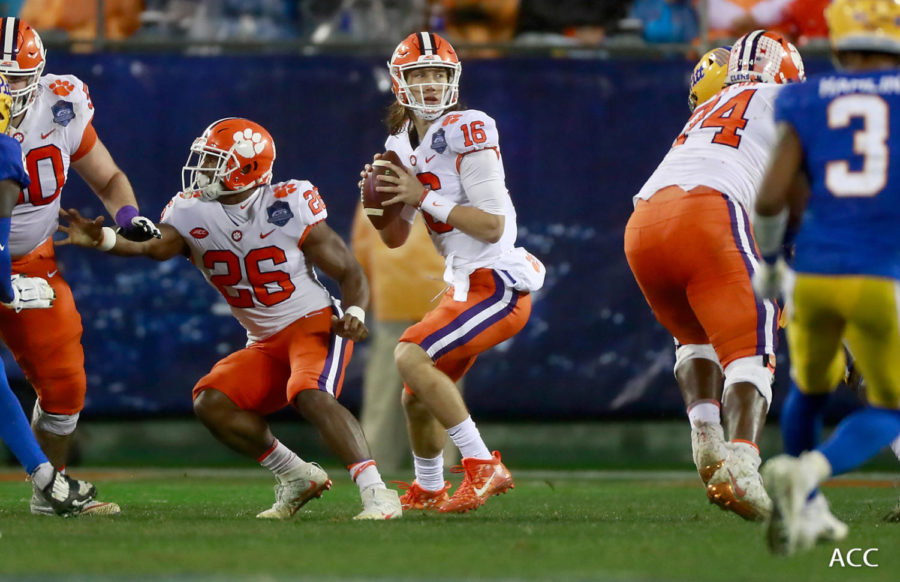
<point x="836" y="164"/>
<point x="691" y="250"/>
<point x="52" y="120"/>
<point x="455" y="178"/>
<point x="257" y="243"/>
<point x="65" y="495"/>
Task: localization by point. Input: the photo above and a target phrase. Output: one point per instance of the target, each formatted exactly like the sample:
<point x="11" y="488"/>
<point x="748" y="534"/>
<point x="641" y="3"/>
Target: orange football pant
<point x="267" y="375"/>
<point x="46" y="343"/>
<point x="693" y="256"/>
<point x="455" y="332"/>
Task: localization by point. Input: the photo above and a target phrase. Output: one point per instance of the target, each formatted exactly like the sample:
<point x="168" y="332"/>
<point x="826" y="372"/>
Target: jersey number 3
<point x="870" y="142"/>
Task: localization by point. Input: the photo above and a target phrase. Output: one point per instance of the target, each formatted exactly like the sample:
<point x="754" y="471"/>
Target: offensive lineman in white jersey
<point x="52" y="120"/>
<point x="257" y="243"/>
<point x="691" y="249"/>
<point x="455" y="155"/>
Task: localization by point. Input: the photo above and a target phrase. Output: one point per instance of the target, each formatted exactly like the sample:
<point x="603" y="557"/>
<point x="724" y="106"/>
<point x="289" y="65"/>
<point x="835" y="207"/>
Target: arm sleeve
<point x="481" y="174"/>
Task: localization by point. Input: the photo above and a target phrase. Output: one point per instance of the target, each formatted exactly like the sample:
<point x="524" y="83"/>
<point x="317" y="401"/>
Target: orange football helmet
<point x="232" y="155"/>
<point x="22" y="54"/>
<point x="423" y="50"/>
<point x="764" y="56"/>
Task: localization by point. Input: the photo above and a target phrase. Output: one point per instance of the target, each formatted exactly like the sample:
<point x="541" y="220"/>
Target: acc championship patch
<point x="63" y="112"/>
<point x="279" y="213"/>
<point x="439" y="141"/>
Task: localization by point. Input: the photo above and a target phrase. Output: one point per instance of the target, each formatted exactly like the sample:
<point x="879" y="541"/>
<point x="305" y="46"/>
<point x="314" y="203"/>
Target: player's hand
<point x="403" y="183"/>
<point x="768" y="280"/>
<point x="80" y="231"/>
<point x="142" y="229"/>
<point x="30" y="293"/>
<point x="349" y="327"/>
<point x="367" y="169"/>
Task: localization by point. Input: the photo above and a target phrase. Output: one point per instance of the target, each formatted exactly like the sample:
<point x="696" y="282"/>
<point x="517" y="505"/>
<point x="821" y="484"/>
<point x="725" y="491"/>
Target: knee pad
<point x="58" y="424"/>
<point x="753" y="370"/>
<point x="686" y="352"/>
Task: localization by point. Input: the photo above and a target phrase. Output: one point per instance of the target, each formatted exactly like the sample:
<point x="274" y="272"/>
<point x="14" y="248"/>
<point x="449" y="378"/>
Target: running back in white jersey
<point x="436" y="162"/>
<point x="53" y="133"/>
<point x="725" y="145"/>
<point x="251" y="252"/>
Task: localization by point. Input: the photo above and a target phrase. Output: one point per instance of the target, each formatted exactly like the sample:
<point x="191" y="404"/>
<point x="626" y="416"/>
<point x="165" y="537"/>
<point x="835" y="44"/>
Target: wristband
<point x="125" y="215"/>
<point x="109" y="239"/>
<point x="357" y="312"/>
<point x="437" y="206"/>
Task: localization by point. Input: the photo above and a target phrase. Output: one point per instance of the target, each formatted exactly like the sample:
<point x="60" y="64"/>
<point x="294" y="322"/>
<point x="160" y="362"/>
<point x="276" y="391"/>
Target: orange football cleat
<point x="418" y="498"/>
<point x="483" y="478"/>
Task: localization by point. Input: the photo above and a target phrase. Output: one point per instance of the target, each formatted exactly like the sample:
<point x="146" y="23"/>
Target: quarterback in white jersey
<point x="52" y="120"/>
<point x="456" y="179"/>
<point x="691" y="249"/>
<point x="258" y="244"/>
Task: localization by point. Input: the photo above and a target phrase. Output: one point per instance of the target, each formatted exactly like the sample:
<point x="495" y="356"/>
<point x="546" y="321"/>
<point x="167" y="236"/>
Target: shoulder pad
<point x="469" y="131"/>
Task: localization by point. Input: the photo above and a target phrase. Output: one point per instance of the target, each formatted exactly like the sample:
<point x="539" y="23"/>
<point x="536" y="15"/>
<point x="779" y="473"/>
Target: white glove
<point x="768" y="280"/>
<point x="30" y="293"/>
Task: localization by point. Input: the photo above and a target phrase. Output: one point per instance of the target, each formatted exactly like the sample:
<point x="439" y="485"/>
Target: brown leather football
<point x="380" y="216"/>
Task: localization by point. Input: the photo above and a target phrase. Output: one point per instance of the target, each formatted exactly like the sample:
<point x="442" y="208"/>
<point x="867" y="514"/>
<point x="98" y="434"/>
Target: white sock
<point x="279" y="459"/>
<point x="707" y="411"/>
<point x="816" y="468"/>
<point x="365" y="474"/>
<point x="895" y="446"/>
<point x="467" y="439"/>
<point x="42" y="475"/>
<point x="429" y="472"/>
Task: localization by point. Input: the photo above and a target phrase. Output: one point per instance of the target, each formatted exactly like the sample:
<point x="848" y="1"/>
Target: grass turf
<point x="199" y="524"/>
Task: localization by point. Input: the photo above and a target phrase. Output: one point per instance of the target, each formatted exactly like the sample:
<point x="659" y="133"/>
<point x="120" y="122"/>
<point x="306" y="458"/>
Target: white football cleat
<point x="818" y="524"/>
<point x="790" y="485"/>
<point x="40" y="506"/>
<point x="708" y="448"/>
<point x="737" y="486"/>
<point x="380" y="503"/>
<point x="295" y="488"/>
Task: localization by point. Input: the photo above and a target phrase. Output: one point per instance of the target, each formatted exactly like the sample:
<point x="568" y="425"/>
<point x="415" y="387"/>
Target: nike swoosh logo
<point x="479" y="491"/>
<point x="429" y="159"/>
<point x="44" y="135"/>
<point x="261" y="235"/>
<point x="243" y="206"/>
<point x="740" y="492"/>
<point x="50" y="274"/>
<point x="436" y="204"/>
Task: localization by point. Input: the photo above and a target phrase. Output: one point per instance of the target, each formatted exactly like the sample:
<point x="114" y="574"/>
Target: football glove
<point x="30" y="293"/>
<point x="768" y="279"/>
<point x="141" y="229"/>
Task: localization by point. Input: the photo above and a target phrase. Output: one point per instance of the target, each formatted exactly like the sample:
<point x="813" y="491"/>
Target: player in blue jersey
<point x="836" y="167"/>
<point x="66" y="495"/>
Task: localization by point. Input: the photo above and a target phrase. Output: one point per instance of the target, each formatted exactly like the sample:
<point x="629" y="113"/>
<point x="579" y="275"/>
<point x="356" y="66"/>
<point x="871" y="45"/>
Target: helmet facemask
<point x="23" y="97"/>
<point x="413" y="95"/>
<point x="206" y="170"/>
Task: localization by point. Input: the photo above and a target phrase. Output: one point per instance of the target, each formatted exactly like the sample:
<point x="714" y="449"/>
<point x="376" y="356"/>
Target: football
<point x="380" y="216"/>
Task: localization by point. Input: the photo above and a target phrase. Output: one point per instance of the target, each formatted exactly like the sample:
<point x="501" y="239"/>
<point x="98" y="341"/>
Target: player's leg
<point x="742" y="329"/>
<point x="319" y="360"/>
<point x="663" y="248"/>
<point x="436" y="352"/>
<point x="232" y="401"/>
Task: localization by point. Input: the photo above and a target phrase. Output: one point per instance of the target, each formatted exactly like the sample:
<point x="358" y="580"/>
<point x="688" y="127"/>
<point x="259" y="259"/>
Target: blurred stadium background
<point x="587" y="100"/>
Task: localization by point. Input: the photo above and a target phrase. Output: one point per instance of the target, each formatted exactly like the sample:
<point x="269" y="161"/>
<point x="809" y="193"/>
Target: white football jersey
<point x="50" y="133"/>
<point x="725" y="145"/>
<point x="251" y="252"/>
<point x="436" y="163"/>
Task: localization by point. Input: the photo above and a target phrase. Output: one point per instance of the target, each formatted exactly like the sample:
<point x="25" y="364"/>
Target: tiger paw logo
<point x="248" y="143"/>
<point x="62" y="87"/>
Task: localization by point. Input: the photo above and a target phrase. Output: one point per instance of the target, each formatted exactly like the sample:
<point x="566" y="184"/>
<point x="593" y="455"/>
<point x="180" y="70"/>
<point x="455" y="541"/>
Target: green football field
<point x="199" y="524"/>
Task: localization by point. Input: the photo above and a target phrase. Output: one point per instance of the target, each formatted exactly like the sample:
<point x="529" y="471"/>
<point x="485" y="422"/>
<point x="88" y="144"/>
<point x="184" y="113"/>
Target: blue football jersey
<point x="849" y="126"/>
<point x="11" y="166"/>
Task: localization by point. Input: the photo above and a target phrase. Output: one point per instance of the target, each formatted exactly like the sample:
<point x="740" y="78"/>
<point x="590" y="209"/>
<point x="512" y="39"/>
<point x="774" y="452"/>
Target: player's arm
<point x="483" y="184"/>
<point x="327" y="251"/>
<point x="782" y="197"/>
<point x="91" y="233"/>
<point x="98" y="169"/>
